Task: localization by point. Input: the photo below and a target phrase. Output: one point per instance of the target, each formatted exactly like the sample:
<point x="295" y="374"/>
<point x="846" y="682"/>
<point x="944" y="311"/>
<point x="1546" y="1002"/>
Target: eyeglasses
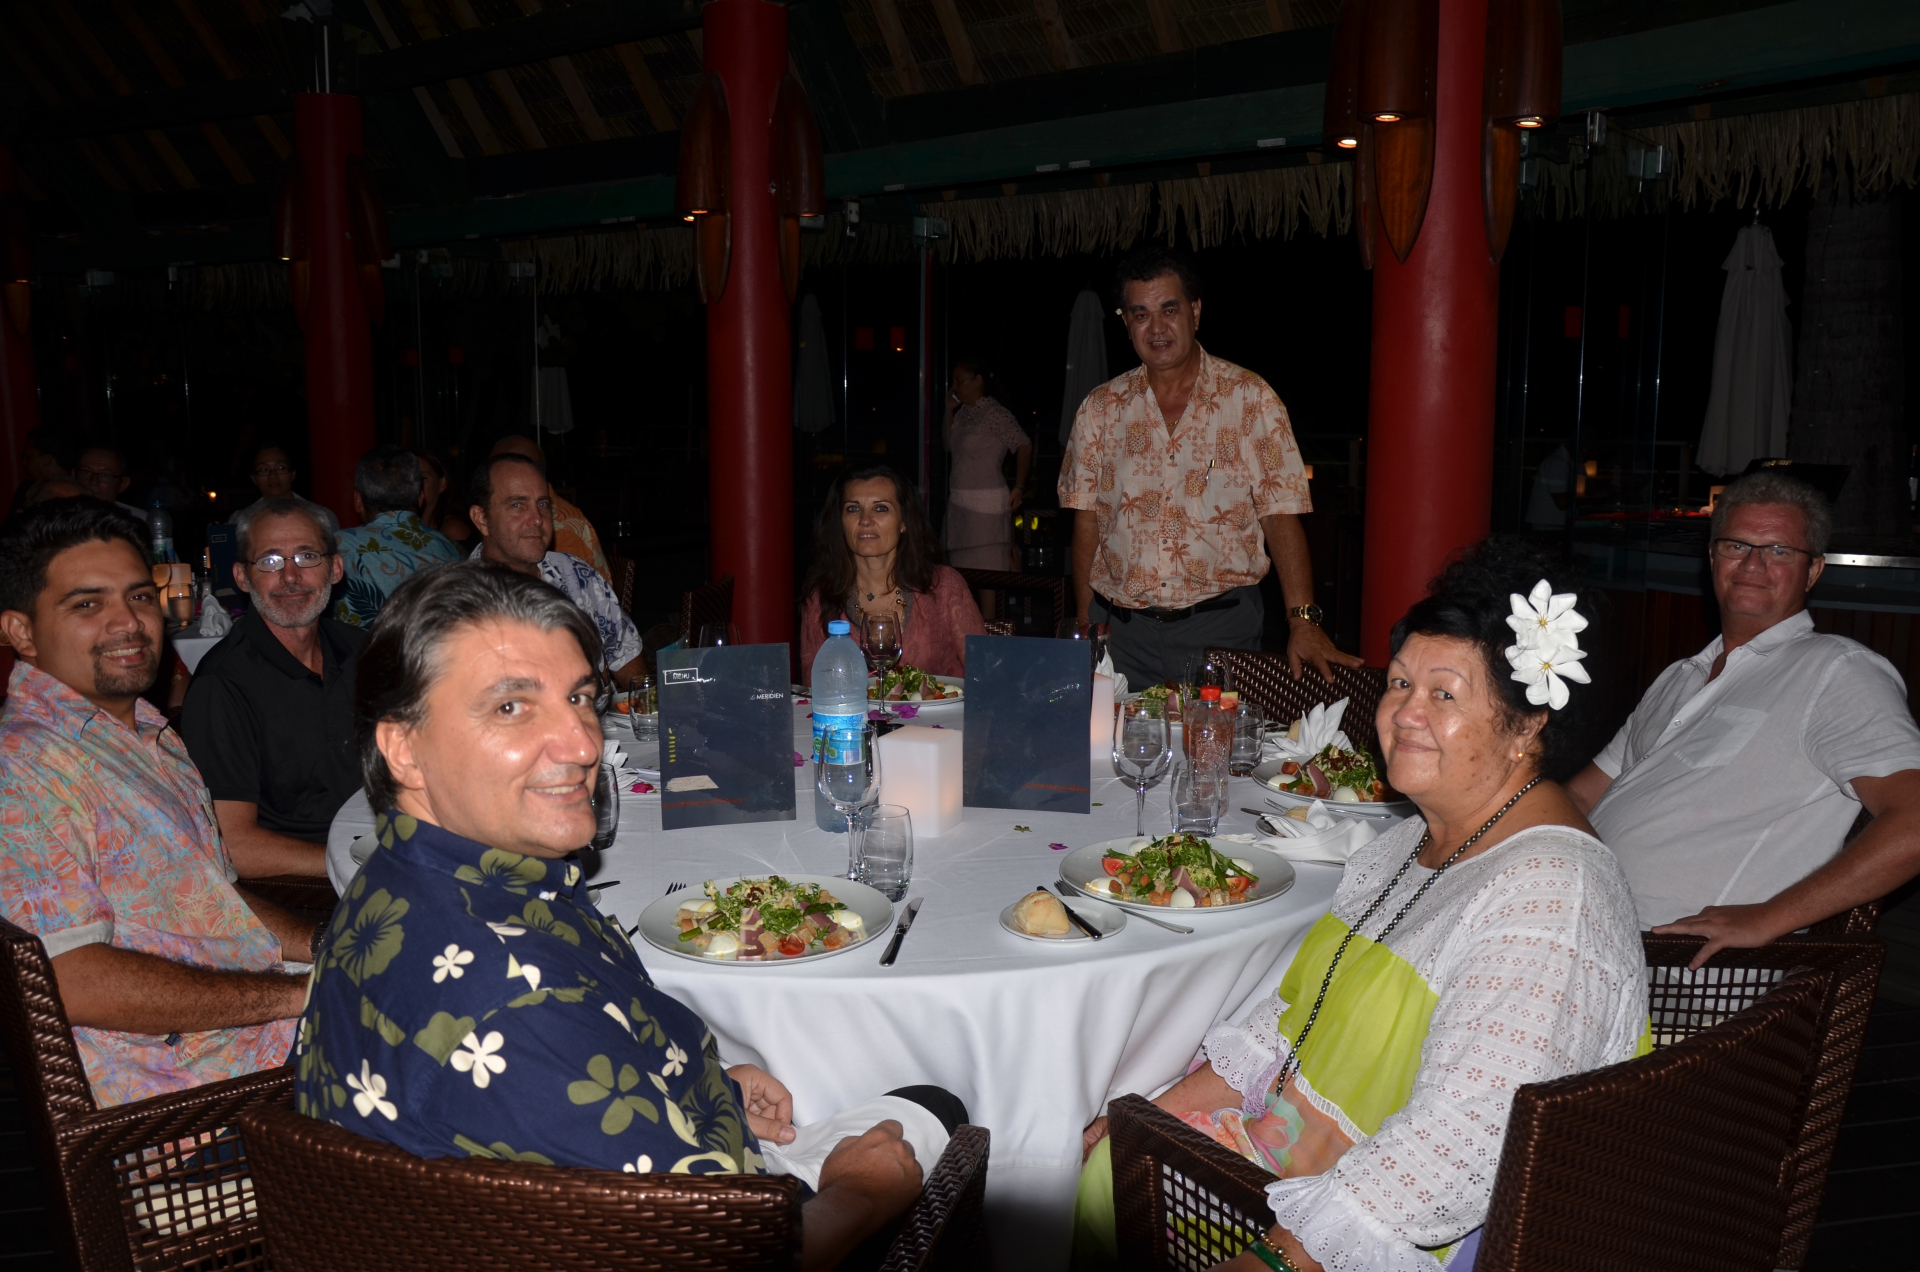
<point x="89" y="474"/>
<point x="1772" y="553"/>
<point x="273" y="470"/>
<point x="274" y="562"/>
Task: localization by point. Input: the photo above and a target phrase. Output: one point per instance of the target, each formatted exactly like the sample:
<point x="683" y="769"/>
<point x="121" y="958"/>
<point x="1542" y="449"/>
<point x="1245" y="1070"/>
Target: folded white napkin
<point x="214" y="619"/>
<point x="811" y="1144"/>
<point x="1105" y="668"/>
<point x="1319" y="728"/>
<point x="1331" y="840"/>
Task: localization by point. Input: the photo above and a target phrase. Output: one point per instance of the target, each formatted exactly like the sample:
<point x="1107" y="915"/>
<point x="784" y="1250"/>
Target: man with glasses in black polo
<point x="1728" y="793"/>
<point x="269" y="717"/>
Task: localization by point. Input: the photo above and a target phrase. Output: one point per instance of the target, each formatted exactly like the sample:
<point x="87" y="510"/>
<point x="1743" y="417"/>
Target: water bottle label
<point x="822" y="723"/>
<point x="844" y="746"/>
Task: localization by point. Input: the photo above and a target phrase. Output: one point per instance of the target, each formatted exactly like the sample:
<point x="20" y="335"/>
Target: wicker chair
<point x="1053" y="586"/>
<point x="708" y="603"/>
<point x="625" y="571"/>
<point x="158" y="1184"/>
<point x="1264" y="680"/>
<point x="999" y="627"/>
<point x="333" y="1201"/>
<point x="1709" y="1153"/>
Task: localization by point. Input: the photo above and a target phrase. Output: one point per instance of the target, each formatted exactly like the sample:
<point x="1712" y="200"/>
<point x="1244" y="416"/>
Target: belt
<point x="1159" y="615"/>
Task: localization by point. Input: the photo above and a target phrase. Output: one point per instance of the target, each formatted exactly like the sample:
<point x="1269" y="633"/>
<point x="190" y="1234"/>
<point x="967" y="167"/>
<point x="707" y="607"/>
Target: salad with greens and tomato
<point x="1181" y="872"/>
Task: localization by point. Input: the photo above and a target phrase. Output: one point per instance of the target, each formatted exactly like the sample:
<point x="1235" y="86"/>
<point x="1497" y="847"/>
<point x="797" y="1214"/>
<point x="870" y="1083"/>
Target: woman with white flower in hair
<point x="1486" y="943"/>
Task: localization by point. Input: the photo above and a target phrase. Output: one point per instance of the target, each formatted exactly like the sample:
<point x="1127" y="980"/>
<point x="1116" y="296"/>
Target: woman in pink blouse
<point x="981" y="433"/>
<point x="873" y="553"/>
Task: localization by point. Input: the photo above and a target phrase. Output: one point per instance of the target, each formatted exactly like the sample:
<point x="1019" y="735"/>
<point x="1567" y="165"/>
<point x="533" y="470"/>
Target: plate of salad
<point x="907" y="685"/>
<point x="1343" y="781"/>
<point x="766" y="919"/>
<point x="1176" y="872"/>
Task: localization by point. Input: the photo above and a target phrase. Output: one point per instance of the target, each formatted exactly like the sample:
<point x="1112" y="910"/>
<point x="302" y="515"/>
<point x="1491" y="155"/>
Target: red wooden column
<point x="1435" y="319"/>
<point x="339" y="339"/>
<point x="749" y="338"/>
<point x="19" y="402"/>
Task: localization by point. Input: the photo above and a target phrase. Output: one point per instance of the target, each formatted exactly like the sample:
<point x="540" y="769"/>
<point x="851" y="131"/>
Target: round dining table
<point x="1034" y="1036"/>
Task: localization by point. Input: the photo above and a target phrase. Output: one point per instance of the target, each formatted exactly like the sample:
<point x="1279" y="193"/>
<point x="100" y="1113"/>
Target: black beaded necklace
<point x="1292" y="1065"/>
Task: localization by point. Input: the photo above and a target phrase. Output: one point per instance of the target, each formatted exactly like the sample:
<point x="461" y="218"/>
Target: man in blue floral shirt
<point x="468" y="999"/>
<point x="391" y="544"/>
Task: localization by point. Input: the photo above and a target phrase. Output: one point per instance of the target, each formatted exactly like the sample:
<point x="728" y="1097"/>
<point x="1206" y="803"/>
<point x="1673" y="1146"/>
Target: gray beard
<point x="284" y="614"/>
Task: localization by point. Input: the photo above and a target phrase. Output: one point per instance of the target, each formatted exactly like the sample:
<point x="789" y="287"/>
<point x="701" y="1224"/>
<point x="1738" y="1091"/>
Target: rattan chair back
<point x="708" y="603"/>
<point x="158" y="1184"/>
<point x="334" y="1201"/>
<point x="1265" y="680"/>
<point x="625" y="572"/>
<point x="1184" y="1201"/>
<point x="1052" y="586"/>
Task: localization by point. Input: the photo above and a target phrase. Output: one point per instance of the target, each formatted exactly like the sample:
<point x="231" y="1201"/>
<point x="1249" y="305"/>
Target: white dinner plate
<point x="658" y="925"/>
<point x="1275" y="875"/>
<point x="1287" y="799"/>
<point x="929" y="710"/>
<point x="1104" y="918"/>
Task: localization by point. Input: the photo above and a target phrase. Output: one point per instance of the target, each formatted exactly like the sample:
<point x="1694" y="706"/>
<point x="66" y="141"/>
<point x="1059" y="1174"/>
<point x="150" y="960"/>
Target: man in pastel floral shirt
<point x="468" y="999"/>
<point x="391" y="544"/>
<point x="109" y="851"/>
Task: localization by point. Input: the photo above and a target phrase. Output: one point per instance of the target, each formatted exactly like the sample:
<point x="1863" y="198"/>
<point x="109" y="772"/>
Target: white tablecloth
<point x="193" y="648"/>
<point x="1035" y="1038"/>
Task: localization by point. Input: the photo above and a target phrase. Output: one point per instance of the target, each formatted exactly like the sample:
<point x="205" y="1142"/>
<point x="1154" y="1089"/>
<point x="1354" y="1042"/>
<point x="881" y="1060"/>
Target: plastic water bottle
<point x="160" y="529"/>
<point x="839" y="701"/>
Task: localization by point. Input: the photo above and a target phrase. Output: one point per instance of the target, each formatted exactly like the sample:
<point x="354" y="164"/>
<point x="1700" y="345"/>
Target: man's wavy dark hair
<point x="1471" y="600"/>
<point x="1150" y="263"/>
<point x="831" y="574"/>
<point x="400" y="664"/>
<point x="31" y="538"/>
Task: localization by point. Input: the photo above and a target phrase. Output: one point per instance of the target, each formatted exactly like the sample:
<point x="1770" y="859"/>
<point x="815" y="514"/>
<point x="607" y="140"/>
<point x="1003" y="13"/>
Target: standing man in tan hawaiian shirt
<point x="1182" y="472"/>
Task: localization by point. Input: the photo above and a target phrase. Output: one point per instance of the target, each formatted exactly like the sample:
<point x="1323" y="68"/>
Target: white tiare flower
<point x="479" y="1058"/>
<point x="504" y="930"/>
<point x="1546" y="618"/>
<point x="451" y="963"/>
<point x="1545" y="672"/>
<point x="641" y="1165"/>
<point x="370" y="1089"/>
<point x="676" y="1060"/>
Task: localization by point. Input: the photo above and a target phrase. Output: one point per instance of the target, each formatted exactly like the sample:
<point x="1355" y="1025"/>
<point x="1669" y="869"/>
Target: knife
<point x="1067" y="891"/>
<point x="900" y="932"/>
<point x="1077" y="921"/>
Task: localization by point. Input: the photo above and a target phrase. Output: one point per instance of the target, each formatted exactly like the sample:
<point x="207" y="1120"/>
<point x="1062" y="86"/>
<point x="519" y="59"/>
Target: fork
<point x="672" y="888"/>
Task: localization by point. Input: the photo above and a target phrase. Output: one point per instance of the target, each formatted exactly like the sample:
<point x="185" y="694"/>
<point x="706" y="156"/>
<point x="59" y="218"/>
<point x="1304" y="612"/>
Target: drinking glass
<point x="1248" y="727"/>
<point x="643" y="710"/>
<point x="847" y="774"/>
<point x="714" y="635"/>
<point x="1142" y="749"/>
<point x="606" y="808"/>
<point x="1197" y="797"/>
<point x="885" y="851"/>
<point x="882" y="632"/>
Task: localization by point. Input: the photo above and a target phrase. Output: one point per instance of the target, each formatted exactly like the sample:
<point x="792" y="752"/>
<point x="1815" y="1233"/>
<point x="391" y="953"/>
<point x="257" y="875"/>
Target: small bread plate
<point x="1082" y="866"/>
<point x="938" y="709"/>
<point x="659" y="925"/>
<point x="1265" y="774"/>
<point x="1105" y="918"/>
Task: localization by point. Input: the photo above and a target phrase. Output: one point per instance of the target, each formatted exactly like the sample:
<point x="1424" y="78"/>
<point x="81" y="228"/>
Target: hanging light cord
<point x="1292" y="1066"/>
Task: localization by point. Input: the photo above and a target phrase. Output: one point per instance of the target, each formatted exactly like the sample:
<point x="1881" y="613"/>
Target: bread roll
<point x="1040" y="914"/>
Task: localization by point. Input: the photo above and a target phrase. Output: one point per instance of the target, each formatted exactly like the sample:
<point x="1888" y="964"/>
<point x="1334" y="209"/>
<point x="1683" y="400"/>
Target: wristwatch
<point x="1311" y="612"/>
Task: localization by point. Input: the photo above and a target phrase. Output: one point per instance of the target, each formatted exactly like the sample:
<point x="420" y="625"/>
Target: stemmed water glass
<point x="1142" y="749"/>
<point x="847" y="774"/>
<point x="882" y="632"/>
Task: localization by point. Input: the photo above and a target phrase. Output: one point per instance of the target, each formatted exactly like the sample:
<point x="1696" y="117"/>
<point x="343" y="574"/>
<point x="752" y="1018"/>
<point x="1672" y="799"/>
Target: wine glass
<point x="1142" y="749"/>
<point x="883" y="635"/>
<point x="714" y="635"/>
<point x="846" y="772"/>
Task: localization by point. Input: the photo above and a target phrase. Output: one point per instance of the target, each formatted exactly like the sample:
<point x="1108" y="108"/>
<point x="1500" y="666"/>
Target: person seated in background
<point x="1728" y="794"/>
<point x="1483" y="944"/>
<point x="272" y="472"/>
<point x="440" y="510"/>
<point x="102" y="472"/>
<point x="48" y="455"/>
<point x="471" y="998"/>
<point x="50" y="488"/>
<point x="390" y="544"/>
<point x="109" y="852"/>
<point x="874" y="554"/>
<point x="573" y="534"/>
<point x="269" y="716"/>
<point x="512" y="508"/>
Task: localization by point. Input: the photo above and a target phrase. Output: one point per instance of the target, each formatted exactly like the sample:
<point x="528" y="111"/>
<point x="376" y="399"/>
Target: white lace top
<point x="1533" y="952"/>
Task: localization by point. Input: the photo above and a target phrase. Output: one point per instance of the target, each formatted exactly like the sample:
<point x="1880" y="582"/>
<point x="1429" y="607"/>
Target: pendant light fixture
<point x="1399" y="52"/>
<point x="290" y="236"/>
<point x="1521" y="92"/>
<point x="799" y="174"/>
<point x="701" y="192"/>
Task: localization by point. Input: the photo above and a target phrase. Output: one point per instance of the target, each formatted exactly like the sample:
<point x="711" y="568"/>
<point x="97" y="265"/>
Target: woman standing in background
<point x="980" y="432"/>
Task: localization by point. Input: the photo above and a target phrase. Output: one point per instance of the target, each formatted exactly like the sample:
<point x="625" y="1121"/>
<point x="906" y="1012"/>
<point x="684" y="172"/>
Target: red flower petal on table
<point x="906" y="711"/>
<point x="643" y="788"/>
<point x="1058" y="847"/>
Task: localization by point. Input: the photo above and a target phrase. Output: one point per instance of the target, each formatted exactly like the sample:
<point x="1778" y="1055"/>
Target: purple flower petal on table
<point x="906" y="711"/>
<point x="939" y="726"/>
<point x="876" y="715"/>
<point x="643" y="788"/>
<point x="1058" y="847"/>
<point x="798" y="759"/>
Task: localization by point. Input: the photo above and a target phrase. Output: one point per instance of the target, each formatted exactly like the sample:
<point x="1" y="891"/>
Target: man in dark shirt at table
<point x="269" y="718"/>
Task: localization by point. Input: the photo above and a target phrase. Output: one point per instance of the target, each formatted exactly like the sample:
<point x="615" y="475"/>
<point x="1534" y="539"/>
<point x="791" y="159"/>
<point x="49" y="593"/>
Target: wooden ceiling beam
<point x="102" y="63"/>
<point x="428" y="29"/>
<point x="634" y="59"/>
<point x="1059" y="40"/>
<point x="163" y="62"/>
<point x="229" y="70"/>
<point x="573" y="86"/>
<point x="591" y="24"/>
<point x="959" y="43"/>
<point x="851" y="114"/>
<point x="899" y="48"/>
<point x="429" y="108"/>
<point x="502" y="83"/>
<point x="1166" y="26"/>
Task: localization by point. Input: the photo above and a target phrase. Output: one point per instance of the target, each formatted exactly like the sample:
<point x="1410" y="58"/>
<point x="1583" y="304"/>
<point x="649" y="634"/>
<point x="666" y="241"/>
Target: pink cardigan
<point x="937" y="627"/>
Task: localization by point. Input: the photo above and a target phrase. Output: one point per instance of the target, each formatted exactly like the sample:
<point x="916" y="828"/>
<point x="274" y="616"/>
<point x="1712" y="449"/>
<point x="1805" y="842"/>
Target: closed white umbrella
<point x="1086" y="358"/>
<point x="1752" y="373"/>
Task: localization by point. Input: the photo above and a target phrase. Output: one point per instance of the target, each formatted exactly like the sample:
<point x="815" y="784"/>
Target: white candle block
<point x="922" y="768"/>
<point x="1100" y="723"/>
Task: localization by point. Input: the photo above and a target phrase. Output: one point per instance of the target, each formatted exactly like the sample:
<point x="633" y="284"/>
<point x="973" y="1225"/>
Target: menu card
<point x="1028" y="702"/>
<point x="726" y="736"/>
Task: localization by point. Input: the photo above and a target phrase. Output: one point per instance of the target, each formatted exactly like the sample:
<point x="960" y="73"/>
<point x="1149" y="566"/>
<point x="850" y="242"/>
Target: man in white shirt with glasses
<point x="1728" y="794"/>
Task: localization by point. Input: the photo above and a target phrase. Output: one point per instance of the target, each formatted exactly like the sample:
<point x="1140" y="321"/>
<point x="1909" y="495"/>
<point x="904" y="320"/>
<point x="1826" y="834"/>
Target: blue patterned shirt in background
<point x="380" y="556"/>
<point x="471" y="1002"/>
<point x="585" y="588"/>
